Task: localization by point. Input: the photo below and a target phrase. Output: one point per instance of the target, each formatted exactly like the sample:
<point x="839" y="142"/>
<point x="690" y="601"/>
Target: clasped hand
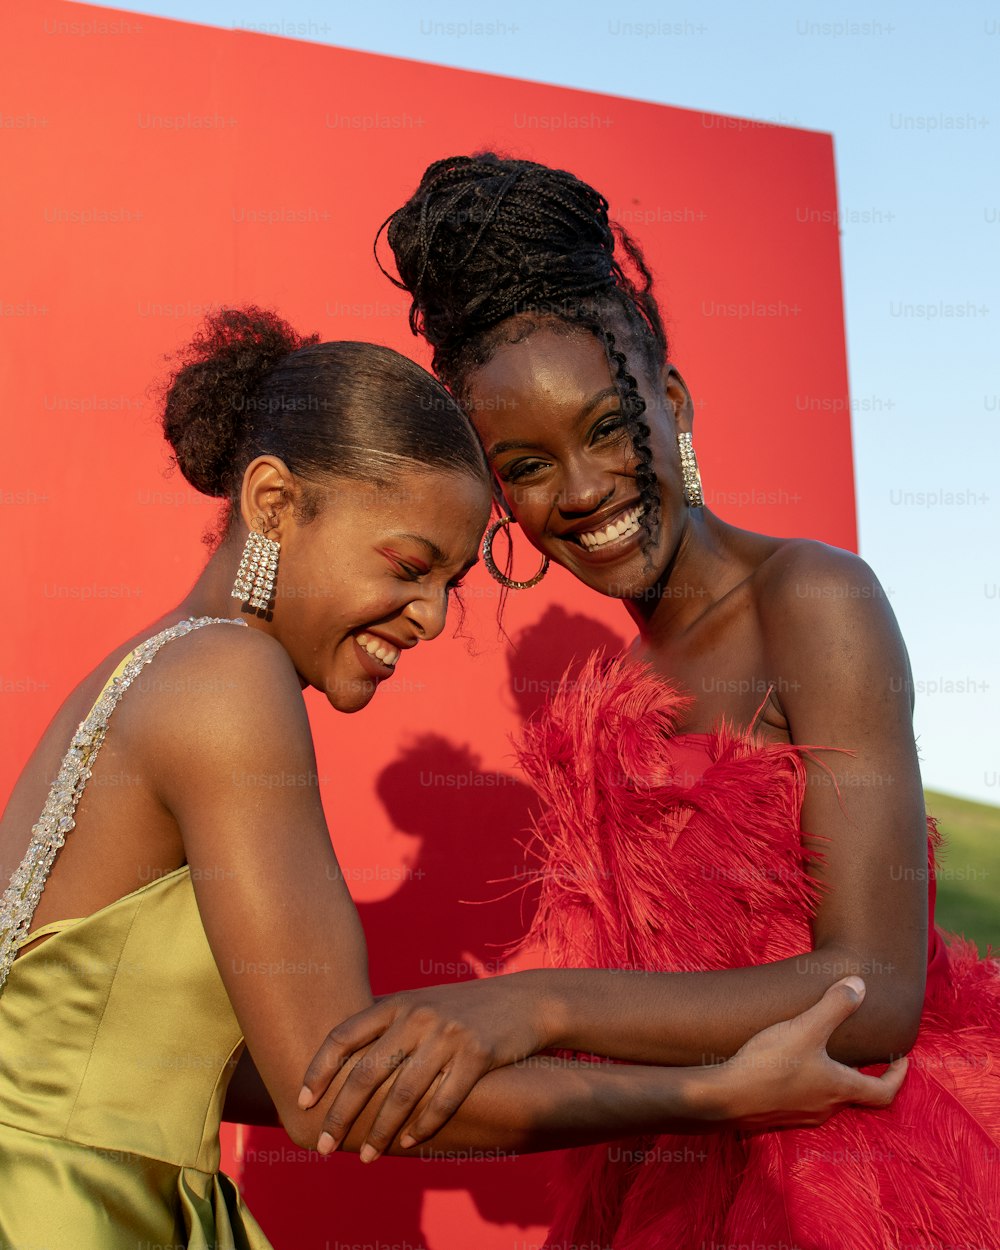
<point x="445" y="1036"/>
<point x="431" y="1046"/>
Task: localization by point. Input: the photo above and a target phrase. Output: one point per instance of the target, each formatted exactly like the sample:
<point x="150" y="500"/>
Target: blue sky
<point x="909" y="93"/>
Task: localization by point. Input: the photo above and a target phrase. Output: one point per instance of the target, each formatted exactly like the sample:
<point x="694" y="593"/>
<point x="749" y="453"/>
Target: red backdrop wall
<point x="154" y="169"/>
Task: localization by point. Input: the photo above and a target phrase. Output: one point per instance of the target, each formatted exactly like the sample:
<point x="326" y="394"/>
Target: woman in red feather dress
<point x="733" y="812"/>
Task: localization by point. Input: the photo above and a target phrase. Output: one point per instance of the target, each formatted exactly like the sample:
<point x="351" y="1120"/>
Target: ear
<point x="267" y="495"/>
<point x="679" y="399"/>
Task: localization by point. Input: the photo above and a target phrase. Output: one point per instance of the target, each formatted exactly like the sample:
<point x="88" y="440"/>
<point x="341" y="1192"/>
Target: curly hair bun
<point x="210" y="397"/>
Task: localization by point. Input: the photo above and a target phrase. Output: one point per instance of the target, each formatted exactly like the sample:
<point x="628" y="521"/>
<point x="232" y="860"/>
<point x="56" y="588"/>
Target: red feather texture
<point x="669" y="852"/>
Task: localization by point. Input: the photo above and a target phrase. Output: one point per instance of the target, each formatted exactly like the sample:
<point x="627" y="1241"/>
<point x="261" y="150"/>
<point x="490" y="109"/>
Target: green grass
<point x="968" y="887"/>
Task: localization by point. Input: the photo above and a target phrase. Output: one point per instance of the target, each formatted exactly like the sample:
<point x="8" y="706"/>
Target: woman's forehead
<point x="550" y="358"/>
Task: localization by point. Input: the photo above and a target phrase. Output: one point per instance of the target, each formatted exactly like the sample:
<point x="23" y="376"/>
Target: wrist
<point x="548" y="1007"/>
<point x="713" y="1094"/>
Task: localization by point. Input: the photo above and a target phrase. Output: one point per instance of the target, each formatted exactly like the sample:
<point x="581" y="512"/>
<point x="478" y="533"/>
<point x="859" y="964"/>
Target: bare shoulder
<point x="805" y="580"/>
<point x="826" y="624"/>
<point x="219" y="658"/>
<point x="218" y="685"/>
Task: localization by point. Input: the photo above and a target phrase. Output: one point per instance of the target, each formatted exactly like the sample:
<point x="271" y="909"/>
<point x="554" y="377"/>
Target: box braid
<point x="486" y="246"/>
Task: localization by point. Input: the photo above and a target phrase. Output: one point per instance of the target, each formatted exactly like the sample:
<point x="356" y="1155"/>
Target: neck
<point x="211" y="595"/>
<point x="693" y="579"/>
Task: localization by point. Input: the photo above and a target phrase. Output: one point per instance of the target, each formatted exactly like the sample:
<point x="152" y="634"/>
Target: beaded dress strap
<point x="20" y="899"/>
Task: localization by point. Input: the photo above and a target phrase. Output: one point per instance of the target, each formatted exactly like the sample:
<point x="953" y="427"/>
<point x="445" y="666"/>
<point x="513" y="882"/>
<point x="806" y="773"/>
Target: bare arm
<point x="232" y="761"/>
<point x="520" y="1109"/>
<point x="782" y="1078"/>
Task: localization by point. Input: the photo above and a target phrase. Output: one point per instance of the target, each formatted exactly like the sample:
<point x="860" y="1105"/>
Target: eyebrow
<point x="436" y="553"/>
<point x="515" y="445"/>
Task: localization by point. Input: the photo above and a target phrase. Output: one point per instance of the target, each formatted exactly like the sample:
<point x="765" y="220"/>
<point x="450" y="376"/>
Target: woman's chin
<point x="351" y="696"/>
<point x="632" y="578"/>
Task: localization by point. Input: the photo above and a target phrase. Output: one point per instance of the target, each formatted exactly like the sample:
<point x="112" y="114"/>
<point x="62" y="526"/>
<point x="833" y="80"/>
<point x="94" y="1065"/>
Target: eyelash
<point x="612" y="426"/>
<point x="605" y="429"/>
<point x="521" y="469"/>
<point x="411" y="574"/>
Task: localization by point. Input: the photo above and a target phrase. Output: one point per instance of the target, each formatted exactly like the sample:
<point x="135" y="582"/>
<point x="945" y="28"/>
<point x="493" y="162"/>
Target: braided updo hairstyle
<point x="486" y="239"/>
<point x="248" y="385"/>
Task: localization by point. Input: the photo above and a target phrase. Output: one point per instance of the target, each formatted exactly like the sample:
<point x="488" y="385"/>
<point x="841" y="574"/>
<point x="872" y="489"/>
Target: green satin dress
<point x="117" y="1042"/>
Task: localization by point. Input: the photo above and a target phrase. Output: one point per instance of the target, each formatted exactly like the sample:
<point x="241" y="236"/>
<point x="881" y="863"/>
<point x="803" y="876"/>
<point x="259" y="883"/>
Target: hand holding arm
<point x="781" y="1078"/>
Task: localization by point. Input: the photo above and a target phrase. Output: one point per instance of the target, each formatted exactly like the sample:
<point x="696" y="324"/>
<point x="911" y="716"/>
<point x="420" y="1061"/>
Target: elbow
<point x="303" y="1129"/>
<point x="887" y="1042"/>
<point x="882" y="1032"/>
<point x="904" y="1025"/>
<point x="899" y="1009"/>
<point x="886" y="1024"/>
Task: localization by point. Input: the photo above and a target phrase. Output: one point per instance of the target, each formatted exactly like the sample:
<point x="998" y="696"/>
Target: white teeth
<point x="628" y="524"/>
<point x="381" y="650"/>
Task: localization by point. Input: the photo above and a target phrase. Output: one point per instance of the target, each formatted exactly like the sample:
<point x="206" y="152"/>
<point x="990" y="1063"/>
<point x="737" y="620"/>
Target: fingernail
<point x="857" y="985"/>
<point x="406" y="1141"/>
<point x="326" y="1143"/>
<point x="368" y="1153"/>
<point x="305" y="1097"/>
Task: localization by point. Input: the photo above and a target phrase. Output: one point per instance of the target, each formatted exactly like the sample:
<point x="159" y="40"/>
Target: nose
<point x="584" y="489"/>
<point x="427" y="613"/>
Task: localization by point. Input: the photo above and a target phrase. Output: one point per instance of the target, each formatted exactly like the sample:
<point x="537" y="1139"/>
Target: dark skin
<point x="223" y="706"/>
<point x="795" y="630"/>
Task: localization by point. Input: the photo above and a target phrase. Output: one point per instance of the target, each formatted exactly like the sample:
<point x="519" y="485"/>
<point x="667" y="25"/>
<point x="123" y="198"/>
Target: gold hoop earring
<point x="693" y="496"/>
<point x="491" y="564"/>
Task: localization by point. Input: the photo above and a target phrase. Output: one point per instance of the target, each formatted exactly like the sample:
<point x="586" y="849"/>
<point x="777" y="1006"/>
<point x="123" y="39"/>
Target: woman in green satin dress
<point x="193" y="918"/>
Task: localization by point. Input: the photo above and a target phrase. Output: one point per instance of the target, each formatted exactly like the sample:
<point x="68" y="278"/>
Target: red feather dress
<point x="683" y="852"/>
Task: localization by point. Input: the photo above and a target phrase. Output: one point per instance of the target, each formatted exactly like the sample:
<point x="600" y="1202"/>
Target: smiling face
<point x="550" y="419"/>
<point x="371" y="575"/>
